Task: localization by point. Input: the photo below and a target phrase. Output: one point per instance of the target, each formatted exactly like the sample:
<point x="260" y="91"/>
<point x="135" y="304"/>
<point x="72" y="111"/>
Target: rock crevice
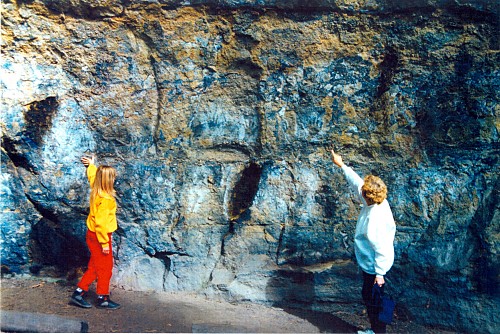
<point x="219" y="116"/>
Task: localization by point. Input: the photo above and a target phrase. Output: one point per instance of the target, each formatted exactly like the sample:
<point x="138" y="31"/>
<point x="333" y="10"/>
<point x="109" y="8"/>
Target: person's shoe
<point x="107" y="303"/>
<point x="366" y="331"/>
<point x="77" y="299"/>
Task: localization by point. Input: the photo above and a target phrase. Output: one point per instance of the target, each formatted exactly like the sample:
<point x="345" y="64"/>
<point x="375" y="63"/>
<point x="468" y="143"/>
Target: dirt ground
<point x="150" y="312"/>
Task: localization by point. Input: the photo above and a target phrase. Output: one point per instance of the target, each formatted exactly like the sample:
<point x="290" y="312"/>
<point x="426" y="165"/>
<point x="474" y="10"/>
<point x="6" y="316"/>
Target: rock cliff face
<point x="218" y="116"/>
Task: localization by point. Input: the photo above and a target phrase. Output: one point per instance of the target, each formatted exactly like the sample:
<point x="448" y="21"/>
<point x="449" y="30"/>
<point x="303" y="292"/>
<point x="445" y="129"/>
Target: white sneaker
<point x="366" y="331"/>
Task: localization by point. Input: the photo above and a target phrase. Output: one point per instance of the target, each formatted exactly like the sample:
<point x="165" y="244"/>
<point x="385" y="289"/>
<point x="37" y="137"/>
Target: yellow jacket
<point x="102" y="216"/>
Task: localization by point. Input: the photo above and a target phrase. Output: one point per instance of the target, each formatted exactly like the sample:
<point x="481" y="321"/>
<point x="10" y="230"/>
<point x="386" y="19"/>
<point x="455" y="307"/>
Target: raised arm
<point x="86" y="161"/>
<point x="337" y="159"/>
<point x="354" y="180"/>
<point x="91" y="168"/>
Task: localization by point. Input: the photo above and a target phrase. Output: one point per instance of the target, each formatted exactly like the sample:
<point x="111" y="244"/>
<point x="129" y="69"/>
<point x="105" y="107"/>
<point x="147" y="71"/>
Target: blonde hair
<point x="103" y="182"/>
<point x="374" y="189"/>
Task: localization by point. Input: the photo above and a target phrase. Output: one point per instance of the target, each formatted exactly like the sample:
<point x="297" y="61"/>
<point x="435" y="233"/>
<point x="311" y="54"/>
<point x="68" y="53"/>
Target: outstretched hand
<point x="336" y="158"/>
<point x="86" y="161"/>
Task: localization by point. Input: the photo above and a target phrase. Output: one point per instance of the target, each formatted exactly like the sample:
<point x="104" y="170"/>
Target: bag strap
<point x="377" y="294"/>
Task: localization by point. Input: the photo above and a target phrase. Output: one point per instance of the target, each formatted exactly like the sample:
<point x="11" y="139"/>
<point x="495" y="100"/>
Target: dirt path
<point x="144" y="312"/>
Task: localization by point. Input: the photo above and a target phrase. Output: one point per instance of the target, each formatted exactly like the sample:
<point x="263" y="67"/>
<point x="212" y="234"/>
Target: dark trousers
<point x="373" y="311"/>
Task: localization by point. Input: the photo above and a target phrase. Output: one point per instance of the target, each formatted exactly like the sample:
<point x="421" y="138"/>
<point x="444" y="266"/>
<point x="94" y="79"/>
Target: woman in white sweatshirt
<point x="374" y="238"/>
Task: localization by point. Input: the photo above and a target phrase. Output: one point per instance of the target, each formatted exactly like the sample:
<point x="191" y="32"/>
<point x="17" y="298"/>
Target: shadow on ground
<point x="326" y="322"/>
<point x="294" y="292"/>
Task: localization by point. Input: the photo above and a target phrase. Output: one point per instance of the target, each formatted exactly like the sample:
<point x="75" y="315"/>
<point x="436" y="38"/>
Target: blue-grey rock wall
<point x="218" y="117"/>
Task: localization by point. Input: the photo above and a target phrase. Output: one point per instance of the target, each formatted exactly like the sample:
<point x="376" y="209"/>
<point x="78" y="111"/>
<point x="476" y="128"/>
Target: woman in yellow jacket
<point x="101" y="223"/>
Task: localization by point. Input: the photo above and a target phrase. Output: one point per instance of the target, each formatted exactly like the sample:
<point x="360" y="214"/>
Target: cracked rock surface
<point x="218" y="116"/>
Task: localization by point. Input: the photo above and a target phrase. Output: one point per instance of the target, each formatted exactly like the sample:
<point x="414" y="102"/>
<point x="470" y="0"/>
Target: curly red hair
<point x="374" y="189"/>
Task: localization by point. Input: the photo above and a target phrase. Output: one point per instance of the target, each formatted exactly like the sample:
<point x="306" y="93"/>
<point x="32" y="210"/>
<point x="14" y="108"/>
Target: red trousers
<point x="100" y="265"/>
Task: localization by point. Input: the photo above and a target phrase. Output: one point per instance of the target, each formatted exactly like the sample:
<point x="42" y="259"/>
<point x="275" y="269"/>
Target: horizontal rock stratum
<point x="219" y="115"/>
<point x="116" y="7"/>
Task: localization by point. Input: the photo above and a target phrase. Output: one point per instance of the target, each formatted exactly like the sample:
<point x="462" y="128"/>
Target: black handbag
<point x="385" y="303"/>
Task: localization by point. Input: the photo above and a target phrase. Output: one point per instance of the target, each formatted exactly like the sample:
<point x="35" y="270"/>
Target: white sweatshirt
<point x="375" y="230"/>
